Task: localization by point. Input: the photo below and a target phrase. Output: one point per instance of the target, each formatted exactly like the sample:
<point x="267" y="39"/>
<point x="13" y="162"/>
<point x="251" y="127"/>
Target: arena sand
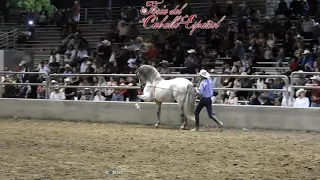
<point x="43" y="150"/>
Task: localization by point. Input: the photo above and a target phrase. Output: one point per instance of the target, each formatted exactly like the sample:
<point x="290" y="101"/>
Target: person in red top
<point x="294" y="65"/>
<point x="76" y="11"/>
<point x="315" y="93"/>
<point x="152" y="52"/>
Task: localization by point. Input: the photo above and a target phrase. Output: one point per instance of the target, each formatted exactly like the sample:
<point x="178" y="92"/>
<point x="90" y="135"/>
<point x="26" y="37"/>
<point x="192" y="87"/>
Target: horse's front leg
<point x="147" y="95"/>
<point x="158" y="114"/>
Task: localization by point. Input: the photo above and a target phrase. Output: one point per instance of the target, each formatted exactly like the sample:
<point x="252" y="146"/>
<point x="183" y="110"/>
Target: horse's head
<point x="147" y="73"/>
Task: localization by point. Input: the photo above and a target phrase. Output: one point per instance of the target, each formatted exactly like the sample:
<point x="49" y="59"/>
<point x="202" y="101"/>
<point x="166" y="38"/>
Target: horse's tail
<point x="189" y="104"/>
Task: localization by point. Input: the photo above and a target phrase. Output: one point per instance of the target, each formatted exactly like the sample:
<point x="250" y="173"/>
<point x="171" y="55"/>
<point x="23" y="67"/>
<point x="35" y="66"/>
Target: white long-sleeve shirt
<point x="57" y="96"/>
<point x="302" y="102"/>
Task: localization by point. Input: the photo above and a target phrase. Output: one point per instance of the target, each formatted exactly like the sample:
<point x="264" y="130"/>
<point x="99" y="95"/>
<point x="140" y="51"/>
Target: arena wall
<point x="124" y="112"/>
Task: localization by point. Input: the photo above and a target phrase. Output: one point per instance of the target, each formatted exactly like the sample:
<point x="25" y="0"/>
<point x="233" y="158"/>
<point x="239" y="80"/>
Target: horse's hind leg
<point x="183" y="120"/>
<point x="158" y="114"/>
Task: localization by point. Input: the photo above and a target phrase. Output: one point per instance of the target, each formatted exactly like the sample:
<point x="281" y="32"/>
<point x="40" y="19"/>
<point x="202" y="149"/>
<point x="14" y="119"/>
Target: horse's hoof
<point x="156" y="125"/>
<point x="182" y="127"/>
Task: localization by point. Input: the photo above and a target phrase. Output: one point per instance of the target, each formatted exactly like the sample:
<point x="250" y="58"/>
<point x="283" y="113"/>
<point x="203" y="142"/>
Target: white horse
<point x="159" y="90"/>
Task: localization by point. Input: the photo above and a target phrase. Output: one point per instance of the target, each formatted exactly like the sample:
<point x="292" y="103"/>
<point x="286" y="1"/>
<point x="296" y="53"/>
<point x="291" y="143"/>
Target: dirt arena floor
<point x="44" y="150"/>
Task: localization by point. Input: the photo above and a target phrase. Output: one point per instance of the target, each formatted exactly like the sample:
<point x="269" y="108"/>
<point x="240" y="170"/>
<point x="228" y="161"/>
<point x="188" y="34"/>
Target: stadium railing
<point x="99" y="87"/>
<point x="5" y="73"/>
<point x="8" y="39"/>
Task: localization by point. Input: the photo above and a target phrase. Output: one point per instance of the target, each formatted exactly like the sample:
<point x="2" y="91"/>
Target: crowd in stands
<point x="290" y="39"/>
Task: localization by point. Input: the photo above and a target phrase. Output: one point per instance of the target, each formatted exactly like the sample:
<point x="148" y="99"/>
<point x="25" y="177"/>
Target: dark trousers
<point x="204" y="102"/>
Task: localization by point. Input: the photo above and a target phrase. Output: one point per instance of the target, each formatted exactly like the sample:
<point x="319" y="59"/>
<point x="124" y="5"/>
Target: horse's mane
<point x="148" y="73"/>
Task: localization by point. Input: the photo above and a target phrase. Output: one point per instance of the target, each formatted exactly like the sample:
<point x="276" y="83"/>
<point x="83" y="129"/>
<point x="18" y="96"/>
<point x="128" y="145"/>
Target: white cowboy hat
<point x="164" y="62"/>
<point x="106" y="42"/>
<point x="22" y="63"/>
<point x="67" y="79"/>
<point x="85" y="56"/>
<point x="315" y="78"/>
<point x="88" y="62"/>
<point x="306" y="52"/>
<point x="44" y="82"/>
<point x="267" y="18"/>
<point x="298" y="36"/>
<point x="300" y="91"/>
<point x="212" y="70"/>
<point x="53" y="81"/>
<point x="204" y="73"/>
<point x="67" y="66"/>
<point x="191" y="51"/>
<point x="229" y="2"/>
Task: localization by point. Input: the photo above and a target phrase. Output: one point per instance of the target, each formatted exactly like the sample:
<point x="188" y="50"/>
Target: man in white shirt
<point x="57" y="94"/>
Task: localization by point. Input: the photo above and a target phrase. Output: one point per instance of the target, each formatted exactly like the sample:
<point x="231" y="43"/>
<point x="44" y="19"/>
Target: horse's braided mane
<point x="149" y="73"/>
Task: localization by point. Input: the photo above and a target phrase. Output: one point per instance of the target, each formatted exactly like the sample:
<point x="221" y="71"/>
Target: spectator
<point x="233" y="99"/>
<point x="23" y="68"/>
<point x="76" y="11"/>
<point x="282" y="8"/>
<point x="307" y="26"/>
<point x="165" y="69"/>
<point x="54" y="54"/>
<point x="96" y="97"/>
<point x="70" y="93"/>
<point x="71" y="51"/>
<point x="84" y="64"/>
<point x="104" y="52"/>
<point x="301" y="100"/>
<point x="117" y="96"/>
<point x="192" y="62"/>
<point x="123" y="29"/>
<point x="315" y="93"/>
<point x="67" y="58"/>
<point x="87" y="95"/>
<point x="296" y="7"/>
<point x="54" y="65"/>
<point x="89" y="69"/>
<point x="41" y="91"/>
<point x="82" y="53"/>
<point x="57" y="94"/>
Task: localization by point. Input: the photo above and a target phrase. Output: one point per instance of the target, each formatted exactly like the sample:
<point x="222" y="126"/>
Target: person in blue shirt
<point x="206" y="92"/>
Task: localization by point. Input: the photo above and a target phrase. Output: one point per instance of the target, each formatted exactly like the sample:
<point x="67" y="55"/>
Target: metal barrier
<point x="8" y="39"/>
<point x="304" y="87"/>
<point x="99" y="76"/>
<point x="31" y="84"/>
<point x="99" y="87"/>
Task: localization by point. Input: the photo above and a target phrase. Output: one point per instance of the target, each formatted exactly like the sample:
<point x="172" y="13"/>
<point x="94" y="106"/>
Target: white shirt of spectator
<point x="44" y="69"/>
<point x="301" y="102"/>
<point x="57" y="95"/>
<point x="307" y="26"/>
<point x="271" y="43"/>
<point x="96" y="98"/>
<point x="260" y="84"/>
<point x="72" y="52"/>
<point x="82" y="53"/>
<point x="83" y="67"/>
<point x="232" y="101"/>
<point x="131" y="62"/>
<point x="57" y="58"/>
